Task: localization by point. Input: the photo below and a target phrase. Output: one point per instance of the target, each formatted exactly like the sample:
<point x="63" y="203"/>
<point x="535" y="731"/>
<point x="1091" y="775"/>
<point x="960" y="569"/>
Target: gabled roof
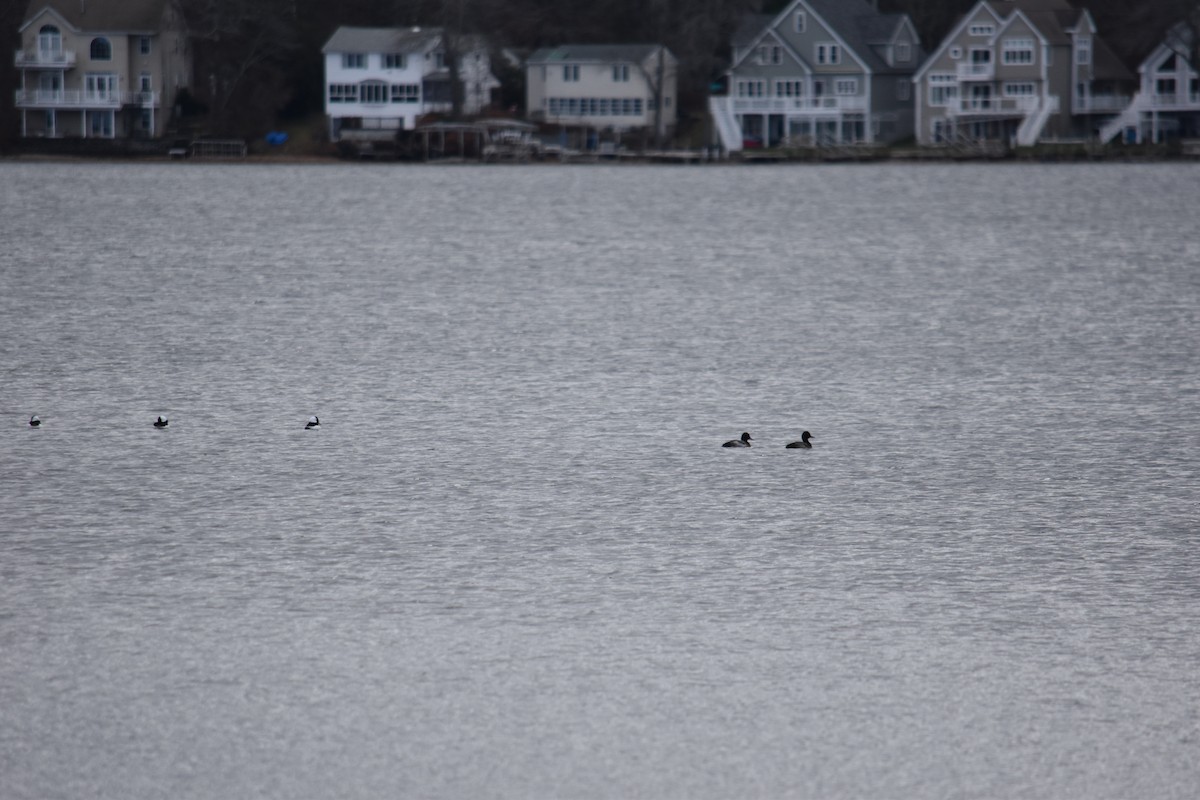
<point x="594" y="53"/>
<point x="348" y="39"/>
<point x="103" y="15"/>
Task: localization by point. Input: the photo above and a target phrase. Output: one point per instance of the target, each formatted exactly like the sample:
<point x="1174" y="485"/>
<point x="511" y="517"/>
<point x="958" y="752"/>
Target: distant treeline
<point x="259" y="61"/>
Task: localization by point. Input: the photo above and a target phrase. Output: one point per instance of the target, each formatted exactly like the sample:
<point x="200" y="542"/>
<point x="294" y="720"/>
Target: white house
<point x="386" y="78"/>
<point x="1167" y="103"/>
<point x="102" y="69"/>
<point x="617" y="87"/>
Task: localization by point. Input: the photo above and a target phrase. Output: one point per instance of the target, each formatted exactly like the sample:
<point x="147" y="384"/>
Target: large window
<point x="100" y="86"/>
<point x="49" y="40"/>
<point x="829" y="54"/>
<point x="943" y="89"/>
<point x="101" y="49"/>
<point x="373" y="93"/>
<point x="406" y="93"/>
<point x="343" y="93"/>
<point x="1017" y="51"/>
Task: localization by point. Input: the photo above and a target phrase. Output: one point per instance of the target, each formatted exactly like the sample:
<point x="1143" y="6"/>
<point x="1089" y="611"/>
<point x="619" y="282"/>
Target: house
<point x="819" y="72"/>
<point x="617" y="87"/>
<point x="384" y="79"/>
<point x="1016" y="72"/>
<point x="1167" y="102"/>
<point x="104" y="68"/>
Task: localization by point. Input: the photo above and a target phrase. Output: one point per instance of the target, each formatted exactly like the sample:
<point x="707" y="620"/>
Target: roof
<point x="104" y="15"/>
<point x="750" y="27"/>
<point x="857" y="23"/>
<point x="348" y="39"/>
<point x="595" y="53"/>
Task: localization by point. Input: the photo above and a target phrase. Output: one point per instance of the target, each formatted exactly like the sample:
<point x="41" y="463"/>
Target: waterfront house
<point x="1014" y="72"/>
<point x="384" y="79"/>
<point x="1167" y="102"/>
<point x="101" y="68"/>
<point x="615" y="87"/>
<point x="819" y="72"/>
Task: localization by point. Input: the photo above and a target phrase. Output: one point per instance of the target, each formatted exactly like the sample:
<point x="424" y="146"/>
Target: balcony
<point x="977" y="72"/>
<point x="823" y="104"/>
<point x="44" y="59"/>
<point x="1101" y="104"/>
<point x="993" y="106"/>
<point x="74" y="98"/>
<point x="1176" y="101"/>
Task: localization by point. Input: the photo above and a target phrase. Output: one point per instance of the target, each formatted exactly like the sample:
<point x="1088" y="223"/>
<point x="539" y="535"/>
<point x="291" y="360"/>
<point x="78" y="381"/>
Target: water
<point x="515" y="562"/>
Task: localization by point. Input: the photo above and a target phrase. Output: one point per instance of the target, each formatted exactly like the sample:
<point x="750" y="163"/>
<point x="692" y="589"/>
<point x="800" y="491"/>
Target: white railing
<point x="1173" y="102"/>
<point x="968" y="106"/>
<point x="45" y="58"/>
<point x="828" y="102"/>
<point x="75" y="98"/>
<point x="1101" y="104"/>
<point x="977" y="72"/>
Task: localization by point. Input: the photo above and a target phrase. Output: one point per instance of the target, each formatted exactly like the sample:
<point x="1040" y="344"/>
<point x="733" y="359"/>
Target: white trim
<point x="951" y="37"/>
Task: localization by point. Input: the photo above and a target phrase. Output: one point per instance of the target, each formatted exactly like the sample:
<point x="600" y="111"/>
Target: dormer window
<point x="49" y="40"/>
<point x="101" y="49"/>
<point x="903" y="52"/>
<point x="1083" y="50"/>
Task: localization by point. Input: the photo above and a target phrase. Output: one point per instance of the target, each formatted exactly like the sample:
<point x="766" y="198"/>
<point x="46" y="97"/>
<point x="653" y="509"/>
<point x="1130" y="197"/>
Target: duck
<point x="313" y="422"/>
<point x="161" y="422"/>
<point x="803" y="443"/>
<point x="742" y="442"/>
<point x="34" y="421"/>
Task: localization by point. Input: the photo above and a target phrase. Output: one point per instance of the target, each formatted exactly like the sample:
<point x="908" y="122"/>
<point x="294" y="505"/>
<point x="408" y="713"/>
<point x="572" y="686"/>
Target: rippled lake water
<point x="515" y="561"/>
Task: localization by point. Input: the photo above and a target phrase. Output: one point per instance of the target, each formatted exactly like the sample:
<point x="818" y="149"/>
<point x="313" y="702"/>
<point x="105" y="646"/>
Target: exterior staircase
<point x="1131" y="117"/>
<point x="1032" y="126"/>
<point x="727" y="126"/>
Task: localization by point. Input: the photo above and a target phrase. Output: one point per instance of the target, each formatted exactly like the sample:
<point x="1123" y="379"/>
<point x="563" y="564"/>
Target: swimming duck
<point x="804" y="441"/>
<point x="34" y="421"/>
<point x="742" y="442"/>
<point x="313" y="422"/>
<point x="161" y="422"/>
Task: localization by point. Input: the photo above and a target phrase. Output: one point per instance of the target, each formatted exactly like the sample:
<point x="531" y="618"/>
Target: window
<point x="776" y="54"/>
<point x="343" y="93"/>
<point x="101" y="123"/>
<point x="393" y="60"/>
<point x="373" y="93"/>
<point x="570" y="72"/>
<point x="1025" y="89"/>
<point x="101" y="49"/>
<point x="956" y="52"/>
<point x="406" y="93"/>
<point x="789" y="88"/>
<point x="981" y="29"/>
<point x="828" y="54"/>
<point x="903" y="89"/>
<point x="620" y="73"/>
<point x="146" y="119"/>
<point x="1083" y="50"/>
<point x="100" y="86"/>
<point x="144" y="45"/>
<point x="762" y="54"/>
<point x="354" y="61"/>
<point x="801" y="21"/>
<point x="943" y="88"/>
<point x="145" y="82"/>
<point x="903" y="51"/>
<point x="49" y="40"/>
<point x="750" y="89"/>
<point x="1017" y="51"/>
<point x="845" y="86"/>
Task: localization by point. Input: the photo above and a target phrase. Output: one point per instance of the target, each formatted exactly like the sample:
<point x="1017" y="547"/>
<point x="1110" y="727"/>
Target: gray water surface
<point x="515" y="562"/>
